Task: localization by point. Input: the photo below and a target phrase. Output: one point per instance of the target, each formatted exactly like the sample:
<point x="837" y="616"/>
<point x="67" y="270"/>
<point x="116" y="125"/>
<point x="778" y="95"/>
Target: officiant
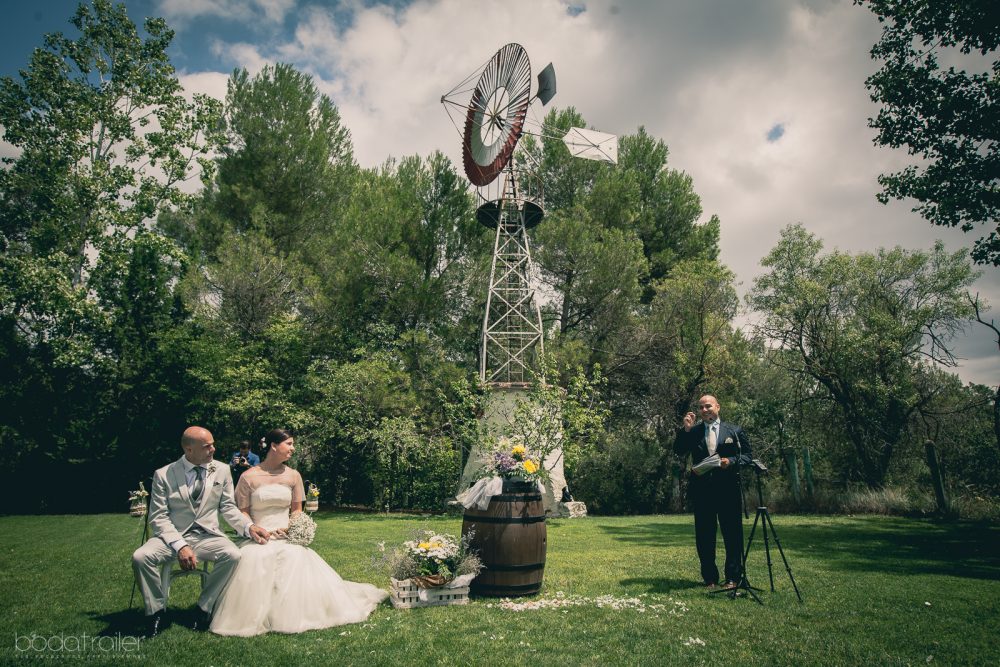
<point x="713" y="487"/>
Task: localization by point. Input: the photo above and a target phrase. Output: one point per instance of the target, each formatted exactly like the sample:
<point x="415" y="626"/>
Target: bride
<point x="277" y="586"/>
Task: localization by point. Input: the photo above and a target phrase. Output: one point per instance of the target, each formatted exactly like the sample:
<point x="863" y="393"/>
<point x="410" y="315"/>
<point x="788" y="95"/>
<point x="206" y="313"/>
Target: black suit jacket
<point x="732" y="443"/>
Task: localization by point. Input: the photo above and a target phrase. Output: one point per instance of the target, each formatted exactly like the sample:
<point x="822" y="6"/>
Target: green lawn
<point x="877" y="591"/>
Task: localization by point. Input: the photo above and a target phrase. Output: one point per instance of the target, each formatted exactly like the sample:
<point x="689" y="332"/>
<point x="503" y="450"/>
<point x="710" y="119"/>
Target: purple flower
<point x="504" y="463"/>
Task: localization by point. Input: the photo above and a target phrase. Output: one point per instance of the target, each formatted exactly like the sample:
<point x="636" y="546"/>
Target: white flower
<point x="301" y="529"/>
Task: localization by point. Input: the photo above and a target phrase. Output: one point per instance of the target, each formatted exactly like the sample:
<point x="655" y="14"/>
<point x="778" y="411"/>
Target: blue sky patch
<point x="576" y="9"/>
<point x="775" y="133"/>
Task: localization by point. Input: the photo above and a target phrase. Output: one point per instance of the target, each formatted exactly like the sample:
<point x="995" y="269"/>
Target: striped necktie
<point x="712" y="440"/>
<point x="199" y="484"/>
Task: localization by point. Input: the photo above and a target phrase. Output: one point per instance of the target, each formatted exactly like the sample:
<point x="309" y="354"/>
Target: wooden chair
<point x="168" y="571"/>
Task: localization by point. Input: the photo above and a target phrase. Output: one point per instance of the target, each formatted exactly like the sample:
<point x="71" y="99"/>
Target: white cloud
<point x="212" y="84"/>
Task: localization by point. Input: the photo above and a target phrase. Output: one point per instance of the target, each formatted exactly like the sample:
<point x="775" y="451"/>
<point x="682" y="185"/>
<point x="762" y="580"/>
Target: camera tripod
<point x="763" y="518"/>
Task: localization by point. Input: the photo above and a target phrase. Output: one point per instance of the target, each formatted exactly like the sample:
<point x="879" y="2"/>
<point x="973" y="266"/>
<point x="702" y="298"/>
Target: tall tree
<point x="408" y="253"/>
<point x="596" y="272"/>
<point x="286" y="150"/>
<point x="861" y="326"/>
<point x="284" y="174"/>
<point x="641" y="194"/>
<point x="948" y="117"/>
<point x="103" y="133"/>
<point x="104" y="138"/>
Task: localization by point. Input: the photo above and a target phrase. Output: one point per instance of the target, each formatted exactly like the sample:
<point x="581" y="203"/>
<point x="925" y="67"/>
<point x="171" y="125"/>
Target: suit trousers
<point x="149" y="559"/>
<point x="717" y="502"/>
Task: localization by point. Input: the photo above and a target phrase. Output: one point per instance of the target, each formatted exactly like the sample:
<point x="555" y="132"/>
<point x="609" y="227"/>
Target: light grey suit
<point x="173" y="516"/>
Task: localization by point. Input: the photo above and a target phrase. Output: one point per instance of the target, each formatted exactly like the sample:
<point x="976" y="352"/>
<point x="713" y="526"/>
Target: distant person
<point x="715" y="493"/>
<point x="243" y="460"/>
<point x="184" y="506"/>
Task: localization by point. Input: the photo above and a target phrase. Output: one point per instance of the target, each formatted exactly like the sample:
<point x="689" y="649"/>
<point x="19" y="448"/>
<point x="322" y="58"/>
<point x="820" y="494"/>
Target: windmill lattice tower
<point x="512" y="326"/>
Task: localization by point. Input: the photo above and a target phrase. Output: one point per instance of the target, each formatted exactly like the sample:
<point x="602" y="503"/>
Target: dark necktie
<point x="199" y="484"/>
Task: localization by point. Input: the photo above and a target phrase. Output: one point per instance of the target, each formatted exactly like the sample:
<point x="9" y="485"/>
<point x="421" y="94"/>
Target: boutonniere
<point x="211" y="468"/>
<point x="729" y="441"/>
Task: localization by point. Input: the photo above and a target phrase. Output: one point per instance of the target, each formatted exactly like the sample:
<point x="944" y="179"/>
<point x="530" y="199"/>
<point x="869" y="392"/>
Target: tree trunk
<point x="808" y="469"/>
<point x="937" y="476"/>
<point x="793" y="475"/>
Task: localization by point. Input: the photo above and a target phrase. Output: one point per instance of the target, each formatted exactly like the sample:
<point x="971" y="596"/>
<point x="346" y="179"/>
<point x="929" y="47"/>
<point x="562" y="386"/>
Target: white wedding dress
<point x="281" y="587"/>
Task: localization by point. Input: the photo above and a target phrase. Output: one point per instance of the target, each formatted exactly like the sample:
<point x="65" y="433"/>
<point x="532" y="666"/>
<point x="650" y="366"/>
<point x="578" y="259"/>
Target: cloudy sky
<point x="761" y="102"/>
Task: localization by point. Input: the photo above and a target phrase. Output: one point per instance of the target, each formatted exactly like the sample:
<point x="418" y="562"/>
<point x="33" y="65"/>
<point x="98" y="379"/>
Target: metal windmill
<point x="493" y="121"/>
<point x="510" y="203"/>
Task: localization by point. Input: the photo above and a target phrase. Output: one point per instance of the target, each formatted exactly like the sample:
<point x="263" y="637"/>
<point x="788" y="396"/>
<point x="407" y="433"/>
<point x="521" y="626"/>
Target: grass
<point x="877" y="590"/>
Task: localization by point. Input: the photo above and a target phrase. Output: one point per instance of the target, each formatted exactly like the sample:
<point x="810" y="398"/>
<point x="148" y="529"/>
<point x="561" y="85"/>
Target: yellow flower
<point x="518" y="450"/>
<point x="530" y="466"/>
<point x="424" y="545"/>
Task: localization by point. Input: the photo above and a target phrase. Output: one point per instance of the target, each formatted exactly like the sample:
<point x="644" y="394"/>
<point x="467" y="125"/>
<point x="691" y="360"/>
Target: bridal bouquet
<point x="301" y="529"/>
<point x="430" y="559"/>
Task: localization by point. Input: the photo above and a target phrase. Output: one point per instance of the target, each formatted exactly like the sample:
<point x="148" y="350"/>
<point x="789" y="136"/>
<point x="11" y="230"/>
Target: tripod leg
<point x="753" y="530"/>
<point x="767" y="518"/>
<point x="767" y="546"/>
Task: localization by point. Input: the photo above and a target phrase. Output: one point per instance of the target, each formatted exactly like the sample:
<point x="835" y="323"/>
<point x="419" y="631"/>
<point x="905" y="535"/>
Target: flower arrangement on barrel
<point x="507" y="458"/>
<point x="431" y="569"/>
<point x="511" y="459"/>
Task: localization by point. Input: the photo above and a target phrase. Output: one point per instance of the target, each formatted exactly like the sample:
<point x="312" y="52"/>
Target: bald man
<point x="715" y="494"/>
<point x="184" y="507"/>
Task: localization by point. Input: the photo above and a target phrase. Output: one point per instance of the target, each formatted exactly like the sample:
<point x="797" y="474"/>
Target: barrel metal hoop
<point x="502" y="519"/>
<point x="494" y="567"/>
<point x="496" y="588"/>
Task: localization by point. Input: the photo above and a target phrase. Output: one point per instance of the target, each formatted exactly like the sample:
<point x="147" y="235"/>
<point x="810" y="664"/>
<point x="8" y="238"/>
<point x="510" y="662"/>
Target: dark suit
<point x="715" y="496"/>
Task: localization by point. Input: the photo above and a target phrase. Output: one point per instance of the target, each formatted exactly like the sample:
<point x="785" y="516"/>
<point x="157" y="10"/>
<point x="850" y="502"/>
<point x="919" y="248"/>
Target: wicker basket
<point x="405" y="594"/>
<point x="137" y="510"/>
<point x="312" y="505"/>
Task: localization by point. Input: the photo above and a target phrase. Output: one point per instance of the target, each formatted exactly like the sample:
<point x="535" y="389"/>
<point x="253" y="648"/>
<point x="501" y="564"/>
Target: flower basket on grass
<point x="432" y="569"/>
<point x="407" y="594"/>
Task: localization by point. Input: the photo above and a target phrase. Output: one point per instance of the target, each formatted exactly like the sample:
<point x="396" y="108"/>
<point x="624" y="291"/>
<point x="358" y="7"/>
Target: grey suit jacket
<point x="171" y="511"/>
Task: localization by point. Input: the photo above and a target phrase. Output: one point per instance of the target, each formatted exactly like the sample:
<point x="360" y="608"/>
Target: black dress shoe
<point x="201" y="619"/>
<point x="156" y="623"/>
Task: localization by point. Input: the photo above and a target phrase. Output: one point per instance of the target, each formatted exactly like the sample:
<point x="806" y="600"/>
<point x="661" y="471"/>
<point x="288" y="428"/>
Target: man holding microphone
<point x="715" y="447"/>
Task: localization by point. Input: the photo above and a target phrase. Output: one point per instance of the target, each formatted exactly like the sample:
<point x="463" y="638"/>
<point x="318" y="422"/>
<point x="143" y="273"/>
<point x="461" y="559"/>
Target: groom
<point x="184" y="507"/>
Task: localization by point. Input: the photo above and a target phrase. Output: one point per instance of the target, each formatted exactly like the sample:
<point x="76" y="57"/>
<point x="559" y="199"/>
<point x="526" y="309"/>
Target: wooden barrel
<point x="510" y="538"/>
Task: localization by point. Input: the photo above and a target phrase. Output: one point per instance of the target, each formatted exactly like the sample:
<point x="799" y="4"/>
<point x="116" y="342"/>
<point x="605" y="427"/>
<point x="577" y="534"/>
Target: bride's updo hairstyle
<point x="274" y="436"/>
